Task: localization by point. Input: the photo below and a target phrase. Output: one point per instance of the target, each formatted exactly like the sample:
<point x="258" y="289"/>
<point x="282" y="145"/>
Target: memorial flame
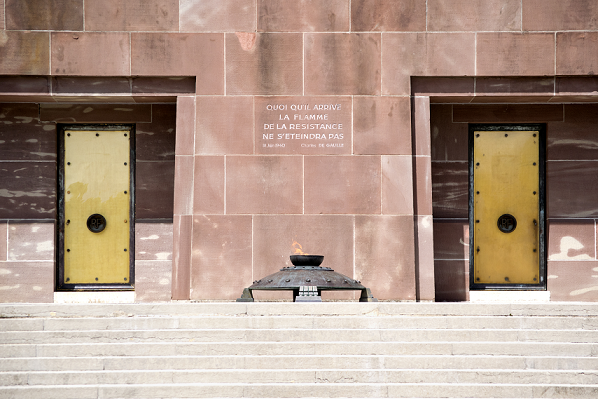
<point x="298" y="249"/>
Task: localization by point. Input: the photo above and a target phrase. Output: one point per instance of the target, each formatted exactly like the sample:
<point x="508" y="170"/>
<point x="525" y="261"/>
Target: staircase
<point x="275" y="350"/>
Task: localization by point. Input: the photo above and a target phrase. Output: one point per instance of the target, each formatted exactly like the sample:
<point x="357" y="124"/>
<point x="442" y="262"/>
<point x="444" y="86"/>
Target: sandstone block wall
<point x="237" y="203"/>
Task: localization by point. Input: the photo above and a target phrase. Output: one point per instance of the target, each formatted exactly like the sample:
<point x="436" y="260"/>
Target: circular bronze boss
<point x="96" y="223"/>
<point x="507" y="223"/>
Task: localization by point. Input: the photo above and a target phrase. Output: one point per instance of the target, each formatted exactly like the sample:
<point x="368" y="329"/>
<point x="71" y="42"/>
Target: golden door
<point x="96" y="245"/>
<point x="506" y="196"/>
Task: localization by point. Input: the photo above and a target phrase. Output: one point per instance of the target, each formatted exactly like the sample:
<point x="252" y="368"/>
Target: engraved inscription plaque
<point x="303" y="125"/>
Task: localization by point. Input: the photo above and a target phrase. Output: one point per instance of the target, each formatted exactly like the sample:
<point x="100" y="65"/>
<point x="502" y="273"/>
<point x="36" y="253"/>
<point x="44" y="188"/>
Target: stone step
<point x="304" y="322"/>
<point x="304" y="376"/>
<point x="299" y="350"/>
<point x="317" y="390"/>
<point x="295" y="335"/>
<point x="373" y="309"/>
<point x="291" y="348"/>
<point x="258" y="362"/>
<point x="286" y="362"/>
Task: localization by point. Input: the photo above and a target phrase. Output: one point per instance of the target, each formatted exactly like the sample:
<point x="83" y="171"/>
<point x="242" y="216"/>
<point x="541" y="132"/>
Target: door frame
<point x="60" y="284"/>
<point x="541" y="128"/>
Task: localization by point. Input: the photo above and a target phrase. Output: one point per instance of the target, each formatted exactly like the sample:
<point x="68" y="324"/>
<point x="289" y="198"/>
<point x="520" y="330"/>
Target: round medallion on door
<point x="507" y="223"/>
<point x="96" y="223"/>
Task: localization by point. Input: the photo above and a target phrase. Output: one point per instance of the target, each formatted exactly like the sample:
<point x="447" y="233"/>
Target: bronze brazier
<point x="307" y="279"/>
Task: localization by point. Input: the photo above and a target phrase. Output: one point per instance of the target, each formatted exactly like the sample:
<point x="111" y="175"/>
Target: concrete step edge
<point x="307" y="370"/>
<point x="370" y="390"/>
<point x="290" y="308"/>
<point x="327" y="376"/>
<point x="327" y="330"/>
<point x="317" y="384"/>
<point x="267" y="338"/>
<point x="306" y="342"/>
<point x="476" y="357"/>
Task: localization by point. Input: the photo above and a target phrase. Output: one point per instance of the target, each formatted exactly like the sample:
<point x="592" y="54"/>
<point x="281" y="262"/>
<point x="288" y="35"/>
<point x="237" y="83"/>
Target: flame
<point x="298" y="249"/>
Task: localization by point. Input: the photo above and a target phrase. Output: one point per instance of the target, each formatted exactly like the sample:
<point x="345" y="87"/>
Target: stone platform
<point x="274" y="349"/>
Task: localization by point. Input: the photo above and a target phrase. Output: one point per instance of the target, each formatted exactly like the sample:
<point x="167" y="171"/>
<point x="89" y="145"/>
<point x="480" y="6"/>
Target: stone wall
<point x="365" y="198"/>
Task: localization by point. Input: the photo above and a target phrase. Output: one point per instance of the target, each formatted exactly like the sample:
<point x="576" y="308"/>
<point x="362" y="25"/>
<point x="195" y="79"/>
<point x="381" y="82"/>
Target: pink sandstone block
<point x="3" y="241"/>
<point x="230" y="135"/>
<point x="425" y="290"/>
<point x="208" y="191"/>
<point x="572" y="281"/>
<point x="264" y="63"/>
<point x="30" y="241"/>
<point x="91" y="53"/>
<point x="388" y="16"/>
<point x="382" y="125"/>
<point x="185" y="125"/>
<point x="556" y="15"/>
<point x="303" y="16"/>
<point x="571" y="239"/>
<point x="384" y="257"/>
<point x="512" y="54"/>
<point x="424" y="54"/>
<point x="25" y="53"/>
<point x="153" y="281"/>
<point x="222" y="256"/>
<point x="264" y="184"/>
<point x="397" y="185"/>
<point x="474" y="15"/>
<point x="182" y="235"/>
<point x="132" y="15"/>
<point x="342" y="63"/>
<point x="183" y="185"/>
<point x="423" y="185"/>
<point x="27" y="282"/>
<point x="576" y="53"/>
<point x="421" y="126"/>
<point x="217" y="15"/>
<point x="43" y="14"/>
<point x="159" y="54"/>
<point x="342" y="184"/>
<point x="153" y="241"/>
